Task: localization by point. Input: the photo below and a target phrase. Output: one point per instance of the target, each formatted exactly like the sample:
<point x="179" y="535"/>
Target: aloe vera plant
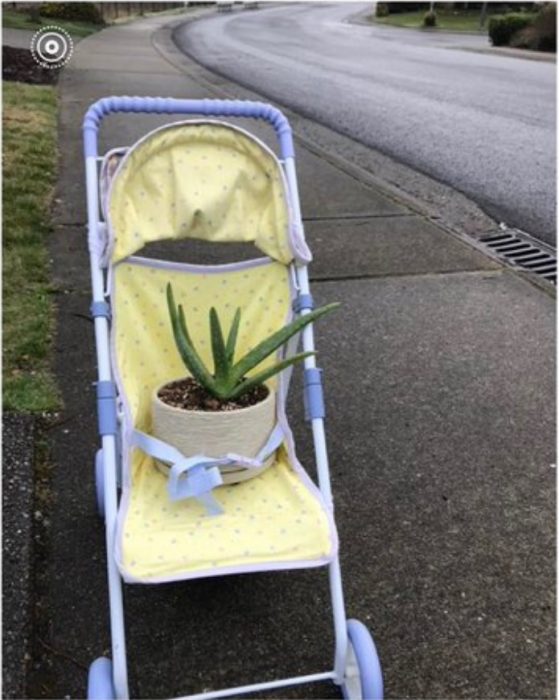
<point x="229" y="378"/>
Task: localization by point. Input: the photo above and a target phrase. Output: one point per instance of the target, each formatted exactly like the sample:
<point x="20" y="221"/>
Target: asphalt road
<point x="482" y="123"/>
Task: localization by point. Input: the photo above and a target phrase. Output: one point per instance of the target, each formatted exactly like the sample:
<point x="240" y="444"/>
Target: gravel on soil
<point x="19" y="65"/>
<point x="18" y="433"/>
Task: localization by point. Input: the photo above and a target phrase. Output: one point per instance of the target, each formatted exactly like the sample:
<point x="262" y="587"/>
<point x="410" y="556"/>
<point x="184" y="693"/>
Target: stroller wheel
<point x="100" y="483"/>
<point x="363" y="673"/>
<point x="100" y="680"/>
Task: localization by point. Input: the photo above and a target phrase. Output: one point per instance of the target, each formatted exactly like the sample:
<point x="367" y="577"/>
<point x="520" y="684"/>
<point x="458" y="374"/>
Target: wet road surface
<point x="482" y="123"/>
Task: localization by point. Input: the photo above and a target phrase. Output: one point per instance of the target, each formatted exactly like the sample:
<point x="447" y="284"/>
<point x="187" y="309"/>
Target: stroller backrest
<point x="201" y="179"/>
<point x="142" y="341"/>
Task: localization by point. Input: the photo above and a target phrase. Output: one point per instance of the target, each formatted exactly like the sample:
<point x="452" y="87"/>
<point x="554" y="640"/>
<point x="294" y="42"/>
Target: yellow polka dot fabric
<point x="209" y="181"/>
<point x="276" y="520"/>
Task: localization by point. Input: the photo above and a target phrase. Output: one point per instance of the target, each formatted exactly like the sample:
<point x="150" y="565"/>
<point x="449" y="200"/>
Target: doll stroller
<point x="210" y="180"/>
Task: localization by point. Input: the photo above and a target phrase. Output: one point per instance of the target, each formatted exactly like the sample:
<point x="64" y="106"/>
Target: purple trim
<point x="302" y="302"/>
<point x="314" y="396"/>
<point x="100" y="309"/>
<point x="295" y="237"/>
<point x="169" y="105"/>
<point x="282" y="420"/>
<point x="106" y="408"/>
<point x="196" y="269"/>
<point x="228" y="570"/>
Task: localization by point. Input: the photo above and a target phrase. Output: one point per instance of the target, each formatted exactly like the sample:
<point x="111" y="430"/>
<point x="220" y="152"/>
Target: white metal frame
<point x="109" y="447"/>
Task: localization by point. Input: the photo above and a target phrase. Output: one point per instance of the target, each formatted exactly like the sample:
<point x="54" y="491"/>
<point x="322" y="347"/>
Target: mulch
<point x="19" y="65"/>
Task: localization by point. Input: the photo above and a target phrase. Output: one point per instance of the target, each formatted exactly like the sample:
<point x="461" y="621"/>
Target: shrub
<point x="525" y="39"/>
<point x="76" y="11"/>
<point x="382" y="10"/>
<point x="545" y="26"/>
<point x="430" y="19"/>
<point x="397" y="7"/>
<point x="538" y="33"/>
<point x="503" y="28"/>
<point x="33" y="15"/>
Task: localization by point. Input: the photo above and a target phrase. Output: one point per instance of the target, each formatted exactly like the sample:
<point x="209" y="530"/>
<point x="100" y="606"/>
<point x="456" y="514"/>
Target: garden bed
<point x="19" y="65"/>
<point x="21" y="20"/>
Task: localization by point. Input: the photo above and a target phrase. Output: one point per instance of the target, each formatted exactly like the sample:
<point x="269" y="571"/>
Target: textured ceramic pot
<point x="242" y="431"/>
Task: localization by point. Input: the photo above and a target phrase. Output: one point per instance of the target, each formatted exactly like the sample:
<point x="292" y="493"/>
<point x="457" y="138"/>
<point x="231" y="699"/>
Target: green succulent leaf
<point x="232" y="337"/>
<point x="173" y="313"/>
<point x="229" y="380"/>
<point x="221" y="362"/>
<point x="265" y="374"/>
<point x="276" y="340"/>
<point x="188" y="353"/>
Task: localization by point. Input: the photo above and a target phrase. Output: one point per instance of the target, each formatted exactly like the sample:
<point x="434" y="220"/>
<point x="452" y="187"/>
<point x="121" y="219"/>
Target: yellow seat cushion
<point x="272" y="521"/>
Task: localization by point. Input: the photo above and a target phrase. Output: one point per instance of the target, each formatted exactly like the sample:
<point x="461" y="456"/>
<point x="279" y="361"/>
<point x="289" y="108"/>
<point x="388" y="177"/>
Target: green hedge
<point x="503" y="28"/>
<point x="76" y="11"/>
<point x="382" y="10"/>
<point x="395" y="8"/>
<point x="545" y="27"/>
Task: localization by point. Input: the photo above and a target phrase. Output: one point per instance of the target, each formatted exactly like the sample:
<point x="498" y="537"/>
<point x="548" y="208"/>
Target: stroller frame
<point x="354" y="656"/>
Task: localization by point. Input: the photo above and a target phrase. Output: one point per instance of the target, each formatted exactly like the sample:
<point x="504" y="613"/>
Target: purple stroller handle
<point x="170" y="105"/>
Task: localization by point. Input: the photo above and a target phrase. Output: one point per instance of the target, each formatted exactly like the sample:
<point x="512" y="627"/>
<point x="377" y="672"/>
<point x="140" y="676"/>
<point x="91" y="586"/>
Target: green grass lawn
<point x="29" y="173"/>
<point x="462" y="21"/>
<point x="19" y="20"/>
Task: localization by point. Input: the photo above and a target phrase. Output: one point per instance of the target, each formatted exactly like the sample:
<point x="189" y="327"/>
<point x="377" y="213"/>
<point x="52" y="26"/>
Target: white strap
<point x="167" y="453"/>
<point x="196" y="477"/>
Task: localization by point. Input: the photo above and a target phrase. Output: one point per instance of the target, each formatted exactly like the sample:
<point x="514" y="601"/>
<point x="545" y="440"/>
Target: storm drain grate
<point x="523" y="253"/>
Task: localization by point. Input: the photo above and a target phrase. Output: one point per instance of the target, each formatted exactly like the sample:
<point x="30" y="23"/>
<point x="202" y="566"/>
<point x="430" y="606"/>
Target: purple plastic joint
<point x="302" y="302"/>
<point x="170" y="105"/>
<point x="314" y="396"/>
<point x="106" y="408"/>
<point x="100" y="309"/>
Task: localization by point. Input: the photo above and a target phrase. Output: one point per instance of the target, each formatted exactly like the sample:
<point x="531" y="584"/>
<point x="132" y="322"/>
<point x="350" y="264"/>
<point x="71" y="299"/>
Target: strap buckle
<point x="201" y="478"/>
<point x="196" y="477"/>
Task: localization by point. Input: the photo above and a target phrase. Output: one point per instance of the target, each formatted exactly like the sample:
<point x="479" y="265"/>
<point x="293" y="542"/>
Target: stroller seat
<point x="270" y="522"/>
<point x="275" y="520"/>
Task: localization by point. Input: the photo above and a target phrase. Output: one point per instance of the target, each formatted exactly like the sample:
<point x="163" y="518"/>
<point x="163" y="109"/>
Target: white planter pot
<point x="243" y="431"/>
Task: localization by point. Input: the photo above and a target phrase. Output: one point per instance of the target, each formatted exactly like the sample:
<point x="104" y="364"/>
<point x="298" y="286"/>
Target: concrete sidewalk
<point x="439" y="380"/>
<point x="18" y="38"/>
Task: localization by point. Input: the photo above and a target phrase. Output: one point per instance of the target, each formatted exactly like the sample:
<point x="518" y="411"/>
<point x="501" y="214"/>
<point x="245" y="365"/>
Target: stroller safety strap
<point x="197" y="476"/>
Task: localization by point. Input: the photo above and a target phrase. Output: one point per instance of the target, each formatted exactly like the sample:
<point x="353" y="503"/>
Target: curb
<point x="422" y="30"/>
<point x="509" y="52"/>
<point x="504" y="51"/>
<point x="163" y="41"/>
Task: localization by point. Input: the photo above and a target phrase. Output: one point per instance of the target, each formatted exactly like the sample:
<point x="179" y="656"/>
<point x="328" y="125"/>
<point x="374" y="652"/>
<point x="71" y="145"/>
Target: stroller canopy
<point x="206" y="180"/>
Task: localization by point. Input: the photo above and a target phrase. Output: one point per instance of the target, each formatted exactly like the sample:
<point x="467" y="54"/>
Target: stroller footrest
<point x="106" y="408"/>
<point x="314" y="395"/>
